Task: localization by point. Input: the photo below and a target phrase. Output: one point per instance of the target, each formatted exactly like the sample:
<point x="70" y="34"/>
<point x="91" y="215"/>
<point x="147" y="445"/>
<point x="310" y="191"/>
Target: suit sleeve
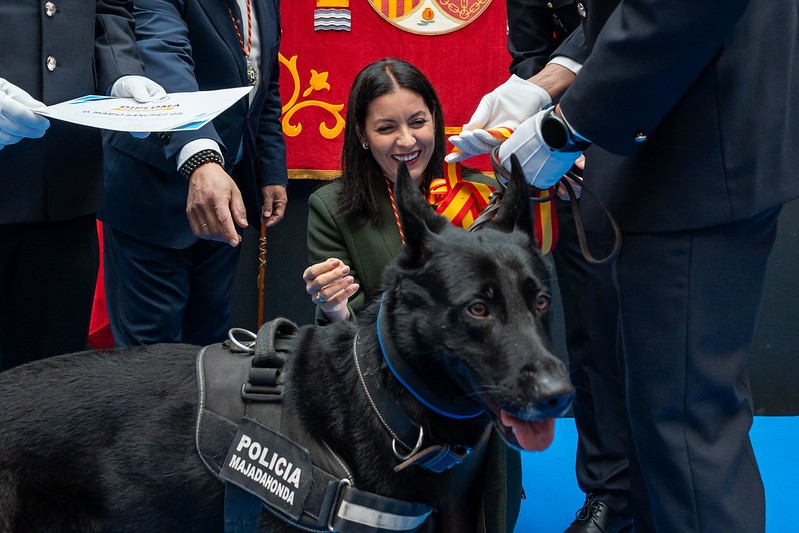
<point x="574" y="47"/>
<point x="115" y="52"/>
<point x="646" y="54"/>
<point x="270" y="142"/>
<point x="326" y="240"/>
<point x="163" y="40"/>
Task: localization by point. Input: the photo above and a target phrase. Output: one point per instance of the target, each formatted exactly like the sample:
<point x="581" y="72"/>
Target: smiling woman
<point x="399" y="128"/>
<point x="393" y="115"/>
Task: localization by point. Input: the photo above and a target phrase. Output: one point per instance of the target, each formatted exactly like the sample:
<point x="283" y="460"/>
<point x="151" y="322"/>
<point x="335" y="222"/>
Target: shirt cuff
<point x="195" y="146"/>
<point x="566" y="62"/>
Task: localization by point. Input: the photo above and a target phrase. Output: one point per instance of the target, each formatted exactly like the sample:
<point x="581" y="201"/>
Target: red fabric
<point x="318" y="68"/>
<point x="100" y="335"/>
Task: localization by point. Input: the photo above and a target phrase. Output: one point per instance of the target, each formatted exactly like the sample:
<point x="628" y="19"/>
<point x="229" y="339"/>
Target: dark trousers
<point x="156" y="294"/>
<point x="48" y="272"/>
<point x="689" y="303"/>
<point x="590" y="310"/>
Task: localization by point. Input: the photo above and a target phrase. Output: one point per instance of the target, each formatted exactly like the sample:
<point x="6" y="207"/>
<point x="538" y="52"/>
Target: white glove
<point x="542" y="166"/>
<point x="504" y="107"/>
<point x="138" y="87"/>
<point x="17" y="121"/>
<point x="469" y="143"/>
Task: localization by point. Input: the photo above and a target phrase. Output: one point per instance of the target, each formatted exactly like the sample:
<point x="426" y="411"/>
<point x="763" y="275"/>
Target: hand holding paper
<point x="171" y="112"/>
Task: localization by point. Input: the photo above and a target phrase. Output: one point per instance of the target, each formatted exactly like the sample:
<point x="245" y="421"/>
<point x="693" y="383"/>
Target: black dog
<point x="105" y="440"/>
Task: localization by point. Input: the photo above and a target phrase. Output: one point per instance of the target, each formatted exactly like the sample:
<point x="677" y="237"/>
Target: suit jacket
<point x="535" y="29"/>
<point x="711" y="86"/>
<point x="368" y="249"/>
<point x="59" y="177"/>
<point x="190" y="45"/>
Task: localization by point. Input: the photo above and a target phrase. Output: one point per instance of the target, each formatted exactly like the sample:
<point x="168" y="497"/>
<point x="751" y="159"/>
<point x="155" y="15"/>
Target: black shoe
<point x="596" y="517"/>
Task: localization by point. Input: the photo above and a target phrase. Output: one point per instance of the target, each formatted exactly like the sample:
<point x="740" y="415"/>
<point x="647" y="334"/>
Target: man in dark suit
<point x="690" y="109"/>
<point x="170" y="275"/>
<point x="50" y="174"/>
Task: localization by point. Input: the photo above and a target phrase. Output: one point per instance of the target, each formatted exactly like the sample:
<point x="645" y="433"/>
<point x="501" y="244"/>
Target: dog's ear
<point x="514" y="211"/>
<point x="418" y="218"/>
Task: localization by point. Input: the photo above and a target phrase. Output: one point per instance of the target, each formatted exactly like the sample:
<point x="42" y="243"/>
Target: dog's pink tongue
<point x="532" y="436"/>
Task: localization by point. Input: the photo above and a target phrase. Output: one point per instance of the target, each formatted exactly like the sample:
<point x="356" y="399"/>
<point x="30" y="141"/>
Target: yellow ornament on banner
<point x="318" y="82"/>
<point x="429" y="17"/>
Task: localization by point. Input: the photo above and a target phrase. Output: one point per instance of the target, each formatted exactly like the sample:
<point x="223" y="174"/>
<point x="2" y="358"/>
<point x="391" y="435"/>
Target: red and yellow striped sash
<point x="459" y="200"/>
<point x="545" y="224"/>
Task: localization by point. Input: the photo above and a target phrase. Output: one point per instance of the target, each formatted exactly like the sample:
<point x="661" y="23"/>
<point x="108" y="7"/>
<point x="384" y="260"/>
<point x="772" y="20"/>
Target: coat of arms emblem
<point x="430" y="17"/>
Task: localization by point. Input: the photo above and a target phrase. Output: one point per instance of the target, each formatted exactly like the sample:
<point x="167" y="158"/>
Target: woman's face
<point x="399" y="127"/>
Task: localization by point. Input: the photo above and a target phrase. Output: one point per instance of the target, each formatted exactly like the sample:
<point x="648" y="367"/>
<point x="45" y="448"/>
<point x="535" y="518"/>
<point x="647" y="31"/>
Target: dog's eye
<point x="542" y="303"/>
<point x="478" y="309"/>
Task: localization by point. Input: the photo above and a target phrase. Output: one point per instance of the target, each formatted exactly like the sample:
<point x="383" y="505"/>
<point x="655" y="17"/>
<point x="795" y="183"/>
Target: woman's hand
<point x="330" y="287"/>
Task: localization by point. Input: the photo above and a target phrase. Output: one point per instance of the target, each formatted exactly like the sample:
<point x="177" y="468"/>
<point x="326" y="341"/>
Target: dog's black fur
<point x="103" y="440"/>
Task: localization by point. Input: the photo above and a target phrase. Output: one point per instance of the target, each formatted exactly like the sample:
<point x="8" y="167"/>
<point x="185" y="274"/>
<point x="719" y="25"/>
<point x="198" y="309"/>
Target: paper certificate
<point x="173" y="112"/>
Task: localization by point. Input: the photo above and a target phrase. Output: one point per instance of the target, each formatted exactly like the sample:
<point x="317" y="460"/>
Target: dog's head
<point x="466" y="311"/>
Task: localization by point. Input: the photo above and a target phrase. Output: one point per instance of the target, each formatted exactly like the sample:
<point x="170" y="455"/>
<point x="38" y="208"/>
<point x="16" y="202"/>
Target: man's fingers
<point x="473" y="144"/>
<point x="237" y="208"/>
<point x="275" y="201"/>
<point x="456" y="156"/>
<point x="17" y="120"/>
<point x="225" y="223"/>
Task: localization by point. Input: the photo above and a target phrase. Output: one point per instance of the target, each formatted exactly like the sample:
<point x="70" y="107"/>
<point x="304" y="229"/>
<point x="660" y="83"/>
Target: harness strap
<point x="362" y="512"/>
<point x="331" y="503"/>
<point x="436" y="458"/>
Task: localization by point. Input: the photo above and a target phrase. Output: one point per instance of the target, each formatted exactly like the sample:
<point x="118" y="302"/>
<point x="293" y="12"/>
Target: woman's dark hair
<point x="362" y="177"/>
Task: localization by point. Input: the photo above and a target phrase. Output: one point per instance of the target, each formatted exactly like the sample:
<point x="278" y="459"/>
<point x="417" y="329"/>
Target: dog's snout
<point x="549" y="379"/>
<point x="557" y="404"/>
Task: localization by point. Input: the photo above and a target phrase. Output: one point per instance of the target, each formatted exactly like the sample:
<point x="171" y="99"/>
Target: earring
<point x="365" y="145"/>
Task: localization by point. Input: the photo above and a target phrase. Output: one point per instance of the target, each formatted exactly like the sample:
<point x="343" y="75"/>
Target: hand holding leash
<point x="17" y="121"/>
<point x="504" y="107"/>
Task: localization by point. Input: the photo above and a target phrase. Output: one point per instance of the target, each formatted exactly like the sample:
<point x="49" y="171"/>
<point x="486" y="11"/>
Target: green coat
<point x="368" y="249"/>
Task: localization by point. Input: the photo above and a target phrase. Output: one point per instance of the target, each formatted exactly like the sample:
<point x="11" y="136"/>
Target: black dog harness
<point x="251" y="441"/>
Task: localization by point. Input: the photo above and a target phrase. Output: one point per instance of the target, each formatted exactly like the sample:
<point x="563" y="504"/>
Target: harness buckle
<point x="336" y="503"/>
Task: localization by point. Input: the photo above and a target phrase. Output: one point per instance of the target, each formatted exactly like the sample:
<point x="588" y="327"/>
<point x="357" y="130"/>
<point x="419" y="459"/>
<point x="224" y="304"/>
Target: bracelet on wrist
<point x="199" y="159"/>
